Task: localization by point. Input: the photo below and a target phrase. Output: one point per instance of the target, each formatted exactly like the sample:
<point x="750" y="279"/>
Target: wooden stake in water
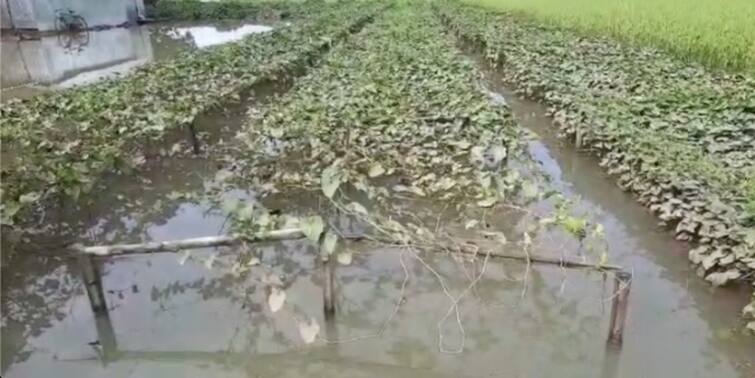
<point x="619" y="307"/>
<point x="90" y="273"/>
<point x="328" y="287"/>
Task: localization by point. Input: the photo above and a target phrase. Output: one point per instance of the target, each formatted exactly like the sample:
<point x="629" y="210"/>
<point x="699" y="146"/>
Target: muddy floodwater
<point x="198" y="319"/>
<point x="49" y="62"/>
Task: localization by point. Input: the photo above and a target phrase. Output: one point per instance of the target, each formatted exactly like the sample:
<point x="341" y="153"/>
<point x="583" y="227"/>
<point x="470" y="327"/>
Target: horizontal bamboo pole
<point x="471" y="248"/>
<point x="467" y="247"/>
<point x="178" y="245"/>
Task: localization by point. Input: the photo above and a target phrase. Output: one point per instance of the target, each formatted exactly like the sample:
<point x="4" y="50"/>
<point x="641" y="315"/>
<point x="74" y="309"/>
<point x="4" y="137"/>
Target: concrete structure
<point x="40" y="14"/>
<point x="54" y="61"/>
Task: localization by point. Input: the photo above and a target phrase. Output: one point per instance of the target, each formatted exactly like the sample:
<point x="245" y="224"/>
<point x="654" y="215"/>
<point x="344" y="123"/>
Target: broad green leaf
<point x="312" y="227"/>
<point x="330" y="180"/>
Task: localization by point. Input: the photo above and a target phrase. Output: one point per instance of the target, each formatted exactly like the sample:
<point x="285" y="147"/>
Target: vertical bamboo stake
<point x="578" y="137"/>
<point x="328" y="288"/>
<point x="106" y="337"/>
<point x="619" y="306"/>
<point x="93" y="283"/>
<point x="193" y="138"/>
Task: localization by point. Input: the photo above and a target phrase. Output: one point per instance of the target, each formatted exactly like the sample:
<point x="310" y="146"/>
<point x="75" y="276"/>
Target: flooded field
<point x="401" y="310"/>
<point x="49" y="62"/>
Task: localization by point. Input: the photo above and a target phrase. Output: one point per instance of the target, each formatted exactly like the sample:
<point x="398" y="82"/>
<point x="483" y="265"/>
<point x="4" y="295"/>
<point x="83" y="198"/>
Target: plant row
<point x="680" y="137"/>
<point x="391" y="124"/>
<point x="218" y="10"/>
<point x="57" y="145"/>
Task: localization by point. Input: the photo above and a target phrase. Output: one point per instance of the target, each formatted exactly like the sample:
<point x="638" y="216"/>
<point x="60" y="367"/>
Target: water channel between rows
<point x="174" y="319"/>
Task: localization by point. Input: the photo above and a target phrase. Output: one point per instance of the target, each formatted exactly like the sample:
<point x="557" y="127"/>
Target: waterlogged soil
<point x="191" y="320"/>
<point x="394" y="315"/>
<point x="50" y="62"/>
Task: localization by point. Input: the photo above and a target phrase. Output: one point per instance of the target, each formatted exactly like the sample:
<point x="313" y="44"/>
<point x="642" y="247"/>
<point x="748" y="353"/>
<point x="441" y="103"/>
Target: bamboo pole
<point x="178" y="245"/>
<point x="328" y="290"/>
<point x="619" y="306"/>
<point x="466" y="246"/>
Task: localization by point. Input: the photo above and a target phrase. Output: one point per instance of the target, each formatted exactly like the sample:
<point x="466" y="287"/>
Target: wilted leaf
<point x="471" y="224"/>
<point x="308" y="330"/>
<point x="276" y="299"/>
<point x="344" y="257"/>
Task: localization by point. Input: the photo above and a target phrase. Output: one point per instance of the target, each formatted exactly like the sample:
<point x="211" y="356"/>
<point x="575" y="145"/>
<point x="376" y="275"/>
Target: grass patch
<point x="719" y="34"/>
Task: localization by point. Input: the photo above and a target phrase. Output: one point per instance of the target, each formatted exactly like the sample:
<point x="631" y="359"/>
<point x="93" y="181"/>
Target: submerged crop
<point x="682" y="138"/>
<point x="56" y="146"/>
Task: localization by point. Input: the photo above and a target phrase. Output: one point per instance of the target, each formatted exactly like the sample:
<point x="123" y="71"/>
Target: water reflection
<point x="30" y="67"/>
<point x="204" y="36"/>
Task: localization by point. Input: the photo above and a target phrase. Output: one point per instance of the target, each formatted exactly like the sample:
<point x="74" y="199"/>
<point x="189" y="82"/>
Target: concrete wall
<point x="46" y="62"/>
<point x="40" y="14"/>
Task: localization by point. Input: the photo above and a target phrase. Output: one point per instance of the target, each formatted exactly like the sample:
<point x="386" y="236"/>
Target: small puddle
<point x="205" y="36"/>
<point x="49" y="62"/>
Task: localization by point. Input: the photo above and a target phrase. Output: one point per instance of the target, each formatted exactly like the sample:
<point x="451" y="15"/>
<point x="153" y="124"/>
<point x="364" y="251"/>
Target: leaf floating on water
<point x="276" y="299"/>
<point x="184" y="257"/>
<point x="329" y="244"/>
<point x="344" y="257"/>
<point x="312" y="227"/>
<point x="471" y="224"/>
<point x="308" y="330"/>
<point x="210" y="261"/>
<point x="376" y="170"/>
